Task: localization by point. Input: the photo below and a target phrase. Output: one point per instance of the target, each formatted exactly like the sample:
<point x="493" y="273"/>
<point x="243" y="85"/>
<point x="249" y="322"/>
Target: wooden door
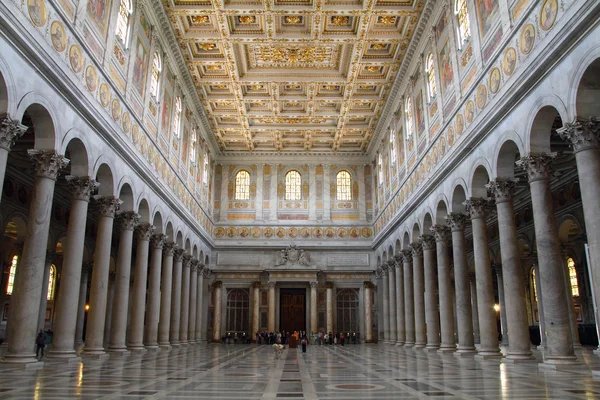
<point x="292" y="310"/>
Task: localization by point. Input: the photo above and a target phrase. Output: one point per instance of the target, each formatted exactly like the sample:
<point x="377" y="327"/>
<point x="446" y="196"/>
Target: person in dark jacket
<point x="40" y="342"/>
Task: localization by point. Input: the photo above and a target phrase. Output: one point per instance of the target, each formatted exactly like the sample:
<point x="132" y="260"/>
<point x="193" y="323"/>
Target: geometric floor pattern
<point x="211" y="371"/>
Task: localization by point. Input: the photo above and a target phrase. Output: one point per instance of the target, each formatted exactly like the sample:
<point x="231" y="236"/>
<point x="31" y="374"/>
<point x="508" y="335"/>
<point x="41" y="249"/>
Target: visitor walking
<point x="40" y="342"/>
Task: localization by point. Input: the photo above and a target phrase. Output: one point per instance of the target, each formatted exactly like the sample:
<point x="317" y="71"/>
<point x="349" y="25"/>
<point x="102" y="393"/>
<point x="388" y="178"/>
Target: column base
<point x="136" y="349"/>
<point x="465" y="353"/>
<point x="419" y="346"/>
<point x="62" y="355"/>
<point x="487" y="356"/>
<point x="432" y="348"/>
<point x="409" y="344"/>
<point x="518" y="359"/>
<point x="120" y="352"/>
<point x="21" y="363"/>
<point x="444" y="348"/>
<point x="561" y="367"/>
<point x="175" y="344"/>
<point x="400" y="343"/>
<point x="94" y="355"/>
<point x="165" y="346"/>
<point x="152" y="349"/>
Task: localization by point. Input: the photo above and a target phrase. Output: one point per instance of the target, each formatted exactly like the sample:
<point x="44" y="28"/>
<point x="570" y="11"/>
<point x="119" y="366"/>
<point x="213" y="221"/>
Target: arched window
<point x="11" y="275"/>
<point x="51" y="282"/>
<point x="177" y="117"/>
<point x="463" y="29"/>
<point x="347" y="311"/>
<point x="155" y="77"/>
<point x="430" y="71"/>
<point x="242" y="185"/>
<point x="573" y="277"/>
<point x="293" y="186"/>
<point x="344" y="186"/>
<point x="533" y="286"/>
<point x="409" y="118"/>
<point x="380" y="168"/>
<point x="238" y="306"/>
<point x="205" y="169"/>
<point x="193" y="143"/>
<point x="123" y="21"/>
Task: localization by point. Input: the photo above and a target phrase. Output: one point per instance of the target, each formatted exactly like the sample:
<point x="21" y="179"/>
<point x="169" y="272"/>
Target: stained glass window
<point x="409" y="118"/>
<point x="11" y="275"/>
<point x="344" y="186"/>
<point x="462" y="21"/>
<point x="293" y="186"/>
<point x="193" y="142"/>
<point x="123" y="19"/>
<point x="573" y="277"/>
<point x="177" y="117"/>
<point x="430" y="70"/>
<point x="242" y="186"/>
<point x="155" y="78"/>
<point x="51" y="282"/>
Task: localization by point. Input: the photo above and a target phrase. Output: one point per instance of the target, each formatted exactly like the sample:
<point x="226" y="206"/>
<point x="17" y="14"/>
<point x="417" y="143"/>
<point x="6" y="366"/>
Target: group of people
<point x="303" y="339"/>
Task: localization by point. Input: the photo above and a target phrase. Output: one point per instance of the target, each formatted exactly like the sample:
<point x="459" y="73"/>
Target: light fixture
<point x="497" y="307"/>
<point x="87" y="307"/>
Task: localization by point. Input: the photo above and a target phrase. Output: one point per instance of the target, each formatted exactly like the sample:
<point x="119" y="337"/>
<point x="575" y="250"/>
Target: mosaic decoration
<point x="58" y="36"/>
<point x="333" y="233"/>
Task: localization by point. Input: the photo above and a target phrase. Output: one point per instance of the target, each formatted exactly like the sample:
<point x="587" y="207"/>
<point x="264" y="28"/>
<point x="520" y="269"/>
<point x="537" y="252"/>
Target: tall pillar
<point x="65" y="322"/>
<point x="274" y="198"/>
<point x="199" y="295"/>
<point x="362" y="200"/>
<point x="271" y="316"/>
<point x="503" y="320"/>
<point x="258" y="200"/>
<point x="312" y="192"/>
<point x="432" y="319"/>
<point x="109" y="301"/>
<point x="83" y="289"/>
<point x="166" y="286"/>
<point x="519" y="348"/>
<point x="442" y="235"/>
<point x="327" y="194"/>
<point x="570" y="299"/>
<point x="314" y="288"/>
<point x="27" y="292"/>
<point x="540" y="303"/>
<point x="94" y="333"/>
<point x="409" y="299"/>
<point x="185" y="299"/>
<point x="400" y="323"/>
<point x="559" y="339"/>
<point x="118" y="332"/>
<point x="176" y="297"/>
<point x="135" y="339"/>
<point x="584" y="137"/>
<point x="329" y="305"/>
<point x="153" y="299"/>
<point x="392" y="296"/>
<point x="193" y="296"/>
<point x="255" y="309"/>
<point x="386" y="303"/>
<point x="44" y="296"/>
<point x="224" y="194"/>
<point x="474" y="308"/>
<point x="368" y="286"/>
<point x="10" y="131"/>
<point x="218" y="293"/>
<point x="419" y="295"/>
<point x="483" y="295"/>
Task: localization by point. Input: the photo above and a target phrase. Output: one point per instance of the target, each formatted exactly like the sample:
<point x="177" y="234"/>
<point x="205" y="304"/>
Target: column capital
<point x="477" y="207"/>
<point x="169" y="248"/>
<point x="407" y="256"/>
<point x="398" y="259"/>
<point x="10" y="131"/>
<point x="187" y="260"/>
<point x="178" y="254"/>
<point x="417" y="249"/>
<point x="193" y="266"/>
<point x="256" y="284"/>
<point x="502" y="189"/>
<point x="314" y="284"/>
<point x="456" y="221"/>
<point x="582" y="134"/>
<point x="218" y="284"/>
<point x="81" y="187"/>
<point x="47" y="163"/>
<point x="128" y="220"/>
<point x="108" y="205"/>
<point x="329" y="285"/>
<point x="427" y="242"/>
<point x="272" y="284"/>
<point x="144" y="231"/>
<point x="158" y="240"/>
<point x="537" y="166"/>
<point x="368" y="285"/>
<point x="441" y="233"/>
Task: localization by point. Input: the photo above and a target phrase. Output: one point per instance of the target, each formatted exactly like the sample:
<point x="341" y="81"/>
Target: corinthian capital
<point x="407" y="256"/>
<point x="417" y="249"/>
<point x="108" y="205"/>
<point x="456" y="221"/>
<point x="582" y="134"/>
<point x="47" y="162"/>
<point x="537" y="166"/>
<point x="502" y="189"/>
<point x="128" y="220"/>
<point x="178" y="255"/>
<point x="441" y="233"/>
<point x="158" y="240"/>
<point x="169" y="248"/>
<point x="427" y="242"/>
<point x="476" y="207"/>
<point x="82" y="187"/>
<point x="187" y="260"/>
<point x="145" y="231"/>
<point x="10" y="131"/>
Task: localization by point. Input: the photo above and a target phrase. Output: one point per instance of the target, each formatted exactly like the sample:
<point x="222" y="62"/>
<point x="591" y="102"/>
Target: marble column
<point x="409" y="299"/>
<point x="10" y="131"/>
<point x="273" y="198"/>
<point x="65" y="321"/>
<point x="540" y="303"/>
<point x="27" y="291"/>
<point x="327" y="195"/>
<point x="271" y="316"/>
<point x="392" y="307"/>
<point x="176" y="297"/>
<point x="386" y="303"/>
<point x="432" y="319"/>
<point x="442" y="236"/>
<point x="194" y="267"/>
<point x="559" y="339"/>
<point x="570" y="299"/>
<point x="135" y="339"/>
<point x="118" y="332"/>
<point x="368" y="286"/>
<point x="312" y="192"/>
<point x="96" y="318"/>
<point x="400" y="323"/>
<point x="519" y="347"/>
<point x="483" y="295"/>
<point x="166" y="286"/>
<point x="329" y="305"/>
<point x="44" y="297"/>
<point x="474" y="308"/>
<point x="185" y="300"/>
<point x="199" y="295"/>
<point x="218" y="293"/>
<point x="153" y="298"/>
<point x="255" y="309"/>
<point x="83" y="289"/>
<point x="314" y="289"/>
<point x="584" y="137"/>
<point x="258" y="200"/>
<point x="419" y="294"/>
<point x="108" y="315"/>
<point x="503" y="320"/>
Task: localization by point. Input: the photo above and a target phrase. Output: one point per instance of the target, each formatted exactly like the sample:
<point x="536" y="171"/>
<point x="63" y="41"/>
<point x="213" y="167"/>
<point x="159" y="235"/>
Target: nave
<point x="211" y="371"/>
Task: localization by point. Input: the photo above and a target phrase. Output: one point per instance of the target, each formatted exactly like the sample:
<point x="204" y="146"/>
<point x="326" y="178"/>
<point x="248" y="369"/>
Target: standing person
<point x="330" y="338"/>
<point x="303" y="341"/>
<point x="40" y="342"/>
<point x="320" y="338"/>
<point x="342" y="337"/>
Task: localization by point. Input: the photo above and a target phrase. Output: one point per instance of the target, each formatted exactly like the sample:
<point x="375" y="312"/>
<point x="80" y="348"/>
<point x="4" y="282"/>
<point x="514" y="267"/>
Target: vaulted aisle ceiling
<point x="294" y="76"/>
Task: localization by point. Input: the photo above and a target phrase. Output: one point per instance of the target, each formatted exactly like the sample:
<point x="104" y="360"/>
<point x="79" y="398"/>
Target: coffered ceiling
<point x="293" y="76"/>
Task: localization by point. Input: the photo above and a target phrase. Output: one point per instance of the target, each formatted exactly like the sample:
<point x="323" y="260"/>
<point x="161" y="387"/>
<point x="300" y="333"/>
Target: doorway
<point x="292" y="309"/>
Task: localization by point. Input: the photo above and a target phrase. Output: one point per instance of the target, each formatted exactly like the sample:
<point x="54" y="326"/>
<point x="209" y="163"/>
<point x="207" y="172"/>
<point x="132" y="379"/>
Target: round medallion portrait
<point x="548" y="14"/>
<point x="494" y="82"/>
<point x="116" y="109"/>
<point x="481" y="96"/>
<point x="37" y="12"/>
<point x="58" y="36"/>
<point x="510" y="61"/>
<point x="75" y="58"/>
<point x="91" y="78"/>
<point x="126" y="122"/>
<point x="104" y="95"/>
<point x="527" y="39"/>
<point x="470" y="111"/>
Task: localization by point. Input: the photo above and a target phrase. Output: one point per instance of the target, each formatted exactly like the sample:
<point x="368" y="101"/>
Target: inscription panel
<point x="348" y="259"/>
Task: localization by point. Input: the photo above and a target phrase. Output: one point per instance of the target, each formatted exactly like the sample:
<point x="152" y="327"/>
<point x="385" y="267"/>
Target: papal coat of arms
<point x="292" y="256"/>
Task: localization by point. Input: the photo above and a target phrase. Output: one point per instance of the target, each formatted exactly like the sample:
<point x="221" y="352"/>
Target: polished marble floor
<point x="211" y="371"/>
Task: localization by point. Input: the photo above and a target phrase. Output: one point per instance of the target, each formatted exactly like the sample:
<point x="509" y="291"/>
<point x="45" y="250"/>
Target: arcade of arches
<point x="421" y="175"/>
